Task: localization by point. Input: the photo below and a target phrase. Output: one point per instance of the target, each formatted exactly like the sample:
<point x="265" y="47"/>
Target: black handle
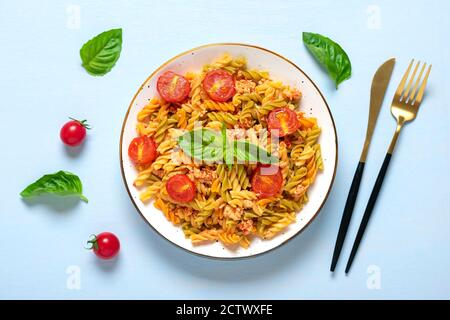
<point x="347" y="215"/>
<point x="369" y="209"/>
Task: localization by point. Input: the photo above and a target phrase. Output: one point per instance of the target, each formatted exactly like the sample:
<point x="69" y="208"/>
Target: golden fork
<point x="404" y="108"/>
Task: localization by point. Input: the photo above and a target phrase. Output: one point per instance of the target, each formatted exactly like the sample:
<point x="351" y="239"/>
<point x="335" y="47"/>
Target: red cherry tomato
<point x="267" y="181"/>
<point x="284" y="120"/>
<point x="180" y="188"/>
<point x="105" y="245"/>
<point x="173" y="87"/>
<point x="142" y="150"/>
<point x="74" y="132"/>
<point x="219" y="85"/>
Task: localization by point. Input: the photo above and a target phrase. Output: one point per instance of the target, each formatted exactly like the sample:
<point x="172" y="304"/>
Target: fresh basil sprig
<point x="202" y="144"/>
<point x="227" y="148"/>
<point x="100" y="54"/>
<point x="252" y="153"/>
<point x="330" y="55"/>
<point x="210" y="146"/>
<point x="61" y="183"/>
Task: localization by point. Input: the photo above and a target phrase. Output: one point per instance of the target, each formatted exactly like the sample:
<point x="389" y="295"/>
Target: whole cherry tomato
<point x="74" y="132"/>
<point x="105" y="245"/>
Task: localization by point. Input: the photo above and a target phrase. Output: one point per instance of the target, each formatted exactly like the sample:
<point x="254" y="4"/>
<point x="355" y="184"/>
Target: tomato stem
<point x="82" y="122"/>
<point x="93" y="242"/>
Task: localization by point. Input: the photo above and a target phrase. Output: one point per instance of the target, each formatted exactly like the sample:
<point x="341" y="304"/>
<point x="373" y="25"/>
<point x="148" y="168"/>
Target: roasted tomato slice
<point x="219" y="85"/>
<point x="180" y="188"/>
<point x="282" y="121"/>
<point x="267" y="181"/>
<point x="142" y="150"/>
<point x="173" y="87"/>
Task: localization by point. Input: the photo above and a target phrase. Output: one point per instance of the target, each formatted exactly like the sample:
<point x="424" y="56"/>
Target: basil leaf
<point x="186" y="142"/>
<point x="61" y="183"/>
<point x="228" y="154"/>
<point x="202" y="144"/>
<point x="210" y="146"/>
<point x="330" y="55"/>
<point x="250" y="152"/>
<point x="101" y="53"/>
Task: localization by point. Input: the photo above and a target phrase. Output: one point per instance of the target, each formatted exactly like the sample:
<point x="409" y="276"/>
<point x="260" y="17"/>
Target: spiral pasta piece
<point x="206" y="235"/>
<point x="235" y="65"/>
<point x="223" y="117"/>
<point x="219" y="106"/>
<point x="278" y="226"/>
<point x="228" y="238"/>
<point x="149" y="109"/>
<point x="196" y="91"/>
<point x="255" y="75"/>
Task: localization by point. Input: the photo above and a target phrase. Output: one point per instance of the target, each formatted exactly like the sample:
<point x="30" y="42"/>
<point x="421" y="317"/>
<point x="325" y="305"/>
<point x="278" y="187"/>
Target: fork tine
<point x="400" y="87"/>
<point x="410" y="82"/>
<point x="416" y="85"/>
<point x="422" y="88"/>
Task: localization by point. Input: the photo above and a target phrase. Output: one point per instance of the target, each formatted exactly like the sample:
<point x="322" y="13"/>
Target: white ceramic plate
<point x="313" y="104"/>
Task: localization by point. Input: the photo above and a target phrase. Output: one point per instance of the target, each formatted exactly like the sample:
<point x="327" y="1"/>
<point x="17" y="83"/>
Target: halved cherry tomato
<point x="267" y="181"/>
<point x="219" y="85"/>
<point x="142" y="150"/>
<point x="283" y="120"/>
<point x="173" y="87"/>
<point x="180" y="188"/>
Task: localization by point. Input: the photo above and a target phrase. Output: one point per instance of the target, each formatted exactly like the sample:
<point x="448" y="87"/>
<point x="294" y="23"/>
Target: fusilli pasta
<point x="225" y="207"/>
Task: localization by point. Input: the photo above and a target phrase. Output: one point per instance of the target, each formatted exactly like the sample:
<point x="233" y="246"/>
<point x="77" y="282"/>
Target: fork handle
<point x="347" y="215"/>
<point x="369" y="209"/>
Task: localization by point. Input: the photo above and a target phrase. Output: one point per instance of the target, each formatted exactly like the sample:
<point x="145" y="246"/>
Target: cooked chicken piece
<point x="204" y="175"/>
<point x="178" y="157"/>
<point x="183" y="212"/>
<point x="245" y="86"/>
<point x="298" y="191"/>
<point x="245" y="123"/>
<point x="236" y="133"/>
<point x="159" y="173"/>
<point x="232" y="213"/>
<point x="246" y="226"/>
<point x="292" y="94"/>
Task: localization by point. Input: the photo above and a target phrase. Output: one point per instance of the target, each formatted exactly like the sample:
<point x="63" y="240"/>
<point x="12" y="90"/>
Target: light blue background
<point x="42" y="83"/>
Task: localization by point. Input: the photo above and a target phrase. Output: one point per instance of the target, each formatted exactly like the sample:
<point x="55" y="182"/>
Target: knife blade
<point x="377" y="92"/>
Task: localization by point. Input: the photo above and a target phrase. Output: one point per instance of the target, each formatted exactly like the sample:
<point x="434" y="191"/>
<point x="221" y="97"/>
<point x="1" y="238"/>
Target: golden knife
<point x="379" y="85"/>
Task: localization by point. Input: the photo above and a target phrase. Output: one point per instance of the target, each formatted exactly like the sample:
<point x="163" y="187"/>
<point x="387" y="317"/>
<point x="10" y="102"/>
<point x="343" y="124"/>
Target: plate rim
<point x="190" y="51"/>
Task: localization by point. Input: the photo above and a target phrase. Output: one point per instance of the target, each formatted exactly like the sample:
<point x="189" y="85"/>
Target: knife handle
<point x="347" y="215"/>
<point x="369" y="209"/>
